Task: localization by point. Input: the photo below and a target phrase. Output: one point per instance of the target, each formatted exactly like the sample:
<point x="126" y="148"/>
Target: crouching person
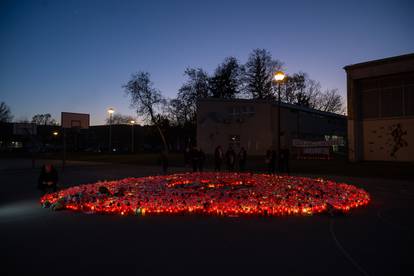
<point x="48" y="179"/>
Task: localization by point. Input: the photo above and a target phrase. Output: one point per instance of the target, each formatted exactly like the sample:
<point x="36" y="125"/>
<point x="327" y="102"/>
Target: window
<point x="250" y="111"/>
<point x="391" y="102"/>
<point x="409" y="100"/>
<point x="390" y="96"/>
<point x="234" y="141"/>
<point x="370" y="104"/>
<point x="368" y="84"/>
<point x="234" y="112"/>
<point x="238" y="111"/>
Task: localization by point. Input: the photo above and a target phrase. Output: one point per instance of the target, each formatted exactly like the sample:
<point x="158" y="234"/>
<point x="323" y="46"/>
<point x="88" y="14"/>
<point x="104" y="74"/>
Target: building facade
<point x="253" y="124"/>
<point x="380" y="97"/>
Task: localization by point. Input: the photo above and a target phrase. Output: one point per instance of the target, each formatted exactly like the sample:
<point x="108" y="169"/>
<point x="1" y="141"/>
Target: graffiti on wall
<point x="388" y="140"/>
<point x="398" y="141"/>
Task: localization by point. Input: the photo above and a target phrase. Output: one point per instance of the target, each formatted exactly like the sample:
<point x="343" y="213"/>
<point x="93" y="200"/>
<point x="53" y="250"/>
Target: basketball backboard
<point x="74" y="120"/>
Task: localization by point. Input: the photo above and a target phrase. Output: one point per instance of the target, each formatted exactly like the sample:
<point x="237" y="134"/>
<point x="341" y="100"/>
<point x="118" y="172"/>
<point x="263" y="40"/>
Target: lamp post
<point x="278" y="77"/>
<point x="110" y="112"/>
<point x="132" y="135"/>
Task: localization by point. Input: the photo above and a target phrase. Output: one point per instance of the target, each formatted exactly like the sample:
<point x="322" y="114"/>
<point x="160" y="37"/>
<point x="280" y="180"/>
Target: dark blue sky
<point x="75" y="55"/>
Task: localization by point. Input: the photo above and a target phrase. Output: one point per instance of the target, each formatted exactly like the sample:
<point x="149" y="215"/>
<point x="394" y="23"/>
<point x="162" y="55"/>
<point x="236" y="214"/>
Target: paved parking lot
<point x="375" y="240"/>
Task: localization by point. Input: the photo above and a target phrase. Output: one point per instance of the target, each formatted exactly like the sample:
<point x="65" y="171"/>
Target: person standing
<point x="201" y="160"/>
<point x="231" y="159"/>
<point x="194" y="158"/>
<point x="164" y="161"/>
<point x="271" y="161"/>
<point x="187" y="156"/>
<point x="242" y="159"/>
<point x="284" y="161"/>
<point x="218" y="158"/>
<point x="48" y="179"/>
<point x="274" y="161"/>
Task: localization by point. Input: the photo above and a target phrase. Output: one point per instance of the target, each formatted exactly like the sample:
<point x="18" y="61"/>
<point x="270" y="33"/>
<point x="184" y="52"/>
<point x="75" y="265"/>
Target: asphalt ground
<point x="374" y="240"/>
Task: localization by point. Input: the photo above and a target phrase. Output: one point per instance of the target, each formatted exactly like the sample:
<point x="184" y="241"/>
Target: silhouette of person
<point x="164" y="161"/>
<point x="218" y="158"/>
<point x="187" y="156"/>
<point x="271" y="161"/>
<point x="230" y="158"/>
<point x="194" y="158"/>
<point x="201" y="160"/>
<point x="242" y="157"/>
<point x="284" y="161"/>
<point x="48" y="179"/>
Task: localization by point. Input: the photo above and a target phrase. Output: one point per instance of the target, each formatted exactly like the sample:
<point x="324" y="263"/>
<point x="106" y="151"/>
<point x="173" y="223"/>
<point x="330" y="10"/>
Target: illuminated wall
<point x="388" y="140"/>
<point x="381" y="109"/>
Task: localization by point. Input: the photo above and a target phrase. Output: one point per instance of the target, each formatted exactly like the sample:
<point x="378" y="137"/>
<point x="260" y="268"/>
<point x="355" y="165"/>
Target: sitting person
<point x="48" y="179"/>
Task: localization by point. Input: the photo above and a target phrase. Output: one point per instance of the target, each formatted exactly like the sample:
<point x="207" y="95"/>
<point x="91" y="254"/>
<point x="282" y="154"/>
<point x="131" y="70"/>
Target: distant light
<point x="55" y="133"/>
<point x="111" y="110"/>
<point x="132" y="122"/>
<point x="279" y="76"/>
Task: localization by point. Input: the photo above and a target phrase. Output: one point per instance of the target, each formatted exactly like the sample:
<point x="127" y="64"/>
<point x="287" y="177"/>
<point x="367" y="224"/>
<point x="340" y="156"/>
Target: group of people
<point x="230" y="158"/>
<point x="196" y="157"/>
<point x="277" y="163"/>
<point x="231" y="161"/>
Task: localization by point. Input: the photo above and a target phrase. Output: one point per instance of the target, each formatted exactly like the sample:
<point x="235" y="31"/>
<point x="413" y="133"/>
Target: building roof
<point x="274" y="103"/>
<point x="380" y="61"/>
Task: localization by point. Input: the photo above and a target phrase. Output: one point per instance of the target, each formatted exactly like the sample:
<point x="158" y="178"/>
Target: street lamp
<point x="278" y="77"/>
<point x="110" y="112"/>
<point x="55" y="133"/>
<point x="132" y="135"/>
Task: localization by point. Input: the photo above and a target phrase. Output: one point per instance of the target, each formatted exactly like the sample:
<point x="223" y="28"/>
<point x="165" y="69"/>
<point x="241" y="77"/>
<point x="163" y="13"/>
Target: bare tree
<point x="43" y="119"/>
<point x="182" y="112"/>
<point x="146" y="99"/>
<point x="259" y="70"/>
<point x="330" y="101"/>
<point x="299" y="89"/>
<point x="294" y="89"/>
<point x="5" y="113"/>
<point x="184" y="107"/>
<point x="119" y="119"/>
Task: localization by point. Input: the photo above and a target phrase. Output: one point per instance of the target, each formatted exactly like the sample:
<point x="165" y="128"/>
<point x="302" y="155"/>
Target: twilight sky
<point x="75" y="55"/>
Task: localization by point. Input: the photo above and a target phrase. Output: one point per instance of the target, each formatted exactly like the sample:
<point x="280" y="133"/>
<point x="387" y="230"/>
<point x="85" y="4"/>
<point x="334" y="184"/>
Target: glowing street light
<point x="132" y="135"/>
<point x="55" y="133"/>
<point x="110" y="112"/>
<point x="279" y="76"/>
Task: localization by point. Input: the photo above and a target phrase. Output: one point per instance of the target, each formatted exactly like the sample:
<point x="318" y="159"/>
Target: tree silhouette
<point x="300" y="90"/>
<point x="227" y="79"/>
<point x="146" y="99"/>
<point x="5" y="113"/>
<point x="330" y="101"/>
<point x="184" y="106"/>
<point x="43" y="119"/>
<point x="294" y="89"/>
<point x="259" y="70"/>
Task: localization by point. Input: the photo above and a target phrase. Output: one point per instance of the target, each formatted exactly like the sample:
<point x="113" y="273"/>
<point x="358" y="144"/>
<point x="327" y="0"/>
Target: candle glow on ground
<point x="210" y="193"/>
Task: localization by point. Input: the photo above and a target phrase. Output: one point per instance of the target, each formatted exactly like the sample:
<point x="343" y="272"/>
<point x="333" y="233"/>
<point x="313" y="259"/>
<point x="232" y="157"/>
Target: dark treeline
<point x="231" y="79"/>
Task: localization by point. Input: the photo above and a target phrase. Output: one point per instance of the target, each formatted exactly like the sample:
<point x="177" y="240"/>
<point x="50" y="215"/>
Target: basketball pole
<point x="64" y="149"/>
